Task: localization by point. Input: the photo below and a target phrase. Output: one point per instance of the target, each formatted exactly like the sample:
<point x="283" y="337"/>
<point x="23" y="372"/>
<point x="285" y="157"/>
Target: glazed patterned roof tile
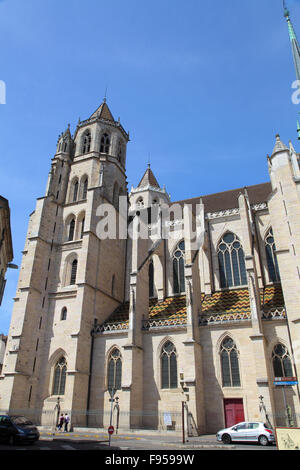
<point x="231" y="301"/>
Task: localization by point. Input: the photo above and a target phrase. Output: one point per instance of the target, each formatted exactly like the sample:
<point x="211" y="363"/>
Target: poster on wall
<point x="287" y="438"/>
<point x="167" y="419"/>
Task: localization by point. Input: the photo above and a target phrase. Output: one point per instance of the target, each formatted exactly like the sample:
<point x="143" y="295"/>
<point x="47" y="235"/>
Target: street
<point x="129" y="442"/>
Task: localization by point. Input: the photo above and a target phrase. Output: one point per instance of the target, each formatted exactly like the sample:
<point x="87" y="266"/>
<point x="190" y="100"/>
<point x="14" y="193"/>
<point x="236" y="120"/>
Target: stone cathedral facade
<point x="157" y="319"/>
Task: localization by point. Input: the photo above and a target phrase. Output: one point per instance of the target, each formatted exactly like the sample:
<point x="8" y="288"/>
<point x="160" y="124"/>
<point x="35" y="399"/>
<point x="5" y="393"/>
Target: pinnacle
<point x="279" y="146"/>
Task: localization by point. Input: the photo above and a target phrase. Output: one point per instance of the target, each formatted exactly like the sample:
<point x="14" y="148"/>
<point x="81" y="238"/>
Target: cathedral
<point x="197" y="318"/>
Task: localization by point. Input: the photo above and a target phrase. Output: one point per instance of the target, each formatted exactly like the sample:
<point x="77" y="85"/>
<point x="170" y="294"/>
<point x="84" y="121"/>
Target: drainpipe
<point x="90" y="371"/>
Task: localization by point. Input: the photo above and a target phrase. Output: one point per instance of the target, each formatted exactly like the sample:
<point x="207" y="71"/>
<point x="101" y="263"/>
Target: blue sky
<point x="203" y="87"/>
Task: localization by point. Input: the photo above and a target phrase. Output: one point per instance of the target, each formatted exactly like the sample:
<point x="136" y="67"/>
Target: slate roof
<point x="103" y="112"/>
<point x="148" y="179"/>
<point x="257" y="194"/>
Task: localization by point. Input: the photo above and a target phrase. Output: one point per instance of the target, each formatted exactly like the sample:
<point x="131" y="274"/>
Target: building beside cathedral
<point x="159" y="320"/>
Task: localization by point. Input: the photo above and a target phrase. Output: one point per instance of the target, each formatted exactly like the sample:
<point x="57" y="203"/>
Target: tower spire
<point x="294" y="41"/>
<point x="295" y="50"/>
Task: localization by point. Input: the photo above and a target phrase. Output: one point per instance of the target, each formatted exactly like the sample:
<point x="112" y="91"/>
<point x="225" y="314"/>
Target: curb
<point x="201" y="446"/>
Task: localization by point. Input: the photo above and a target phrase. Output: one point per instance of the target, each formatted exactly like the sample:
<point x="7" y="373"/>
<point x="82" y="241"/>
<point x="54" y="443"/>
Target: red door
<point x="234" y="411"/>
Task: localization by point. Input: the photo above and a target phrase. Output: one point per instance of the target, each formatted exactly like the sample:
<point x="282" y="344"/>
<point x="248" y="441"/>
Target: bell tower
<point x="69" y="277"/>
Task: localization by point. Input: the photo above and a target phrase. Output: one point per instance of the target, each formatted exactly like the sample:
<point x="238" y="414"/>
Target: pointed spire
<point x="148" y="179"/>
<point x="294" y="41"/>
<point x="103" y="112"/>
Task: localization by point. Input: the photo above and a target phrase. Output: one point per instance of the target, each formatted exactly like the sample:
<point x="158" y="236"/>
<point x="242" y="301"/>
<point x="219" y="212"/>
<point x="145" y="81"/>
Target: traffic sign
<point x="285" y="383"/>
<point x="285" y="379"/>
<point x="111" y="429"/>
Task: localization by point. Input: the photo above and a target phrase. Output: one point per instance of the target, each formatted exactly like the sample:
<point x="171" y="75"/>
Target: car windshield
<point x="20" y="420"/>
<point x="267" y="426"/>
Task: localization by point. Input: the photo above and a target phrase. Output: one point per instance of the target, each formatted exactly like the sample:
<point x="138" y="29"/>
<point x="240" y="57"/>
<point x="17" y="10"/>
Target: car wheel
<point x="263" y="440"/>
<point x="226" y="439"/>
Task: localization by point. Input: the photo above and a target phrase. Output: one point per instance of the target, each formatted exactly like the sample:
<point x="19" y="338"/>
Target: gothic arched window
<point x="73" y="272"/>
<point x="271" y="257"/>
<point x="178" y="269"/>
<point x="104" y="143"/>
<point x="63" y="315"/>
<point x="115" y="199"/>
<point x="59" y="379"/>
<point x="168" y="366"/>
<point x="82" y="227"/>
<point x="71" y="230"/>
<point x="75" y="191"/>
<point x="114" y="370"/>
<point x="120" y="151"/>
<point x="230" y="364"/>
<point x="85" y="188"/>
<point x="282" y="365"/>
<point x="86" y="142"/>
<point x="231" y="261"/>
<point x="151" y="279"/>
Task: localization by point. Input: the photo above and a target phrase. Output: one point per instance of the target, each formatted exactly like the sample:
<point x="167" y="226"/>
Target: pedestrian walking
<point x="61" y="422"/>
<point x="66" y="421"/>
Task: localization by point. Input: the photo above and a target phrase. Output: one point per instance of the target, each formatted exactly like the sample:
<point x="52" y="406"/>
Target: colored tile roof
<point x="225" y="303"/>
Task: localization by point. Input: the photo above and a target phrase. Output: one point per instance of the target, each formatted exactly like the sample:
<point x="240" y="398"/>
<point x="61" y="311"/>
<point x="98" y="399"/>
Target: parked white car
<point x="247" y="432"/>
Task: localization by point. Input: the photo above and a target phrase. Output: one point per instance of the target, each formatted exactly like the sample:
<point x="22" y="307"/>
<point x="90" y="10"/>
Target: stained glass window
<point x="231" y="260"/>
<point x="230" y="364"/>
<point x="114" y="371"/>
<point x="271" y="257"/>
<point x="282" y="365"/>
<point x="60" y="373"/>
<point x="178" y="269"/>
<point x="168" y="366"/>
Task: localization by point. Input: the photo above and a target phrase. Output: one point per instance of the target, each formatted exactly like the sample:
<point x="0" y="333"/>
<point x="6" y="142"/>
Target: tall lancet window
<point x="168" y="366"/>
<point x="59" y="379"/>
<point x="75" y="191"/>
<point x="178" y="268"/>
<point x="73" y="272"/>
<point x="71" y="230"/>
<point x="82" y="227"/>
<point x="282" y="365"/>
<point x="231" y="261"/>
<point x="85" y="188"/>
<point x="86" y="142"/>
<point x="105" y="143"/>
<point x="230" y="364"/>
<point x="151" y="279"/>
<point x="114" y="370"/>
<point x="271" y="257"/>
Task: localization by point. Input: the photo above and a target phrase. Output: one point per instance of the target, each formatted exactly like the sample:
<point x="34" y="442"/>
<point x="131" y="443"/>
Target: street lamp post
<point x="117" y="407"/>
<point x="57" y="407"/>
<point x="112" y="392"/>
